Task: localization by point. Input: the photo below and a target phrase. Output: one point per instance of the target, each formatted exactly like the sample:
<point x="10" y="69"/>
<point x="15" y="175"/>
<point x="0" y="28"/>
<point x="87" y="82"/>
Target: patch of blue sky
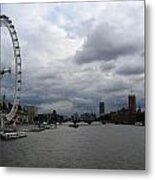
<point x="58" y="10"/>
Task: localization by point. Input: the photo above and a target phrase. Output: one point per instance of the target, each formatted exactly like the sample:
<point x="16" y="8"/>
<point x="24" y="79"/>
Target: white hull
<point x="12" y="135"/>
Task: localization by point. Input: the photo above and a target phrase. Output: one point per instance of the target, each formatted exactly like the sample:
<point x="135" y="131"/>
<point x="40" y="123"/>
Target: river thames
<point x="96" y="146"/>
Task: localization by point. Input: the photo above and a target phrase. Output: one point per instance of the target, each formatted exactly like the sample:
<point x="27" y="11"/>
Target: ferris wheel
<point x="7" y="23"/>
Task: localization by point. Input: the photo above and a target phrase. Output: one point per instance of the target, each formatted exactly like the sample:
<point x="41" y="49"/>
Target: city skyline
<point x="75" y="55"/>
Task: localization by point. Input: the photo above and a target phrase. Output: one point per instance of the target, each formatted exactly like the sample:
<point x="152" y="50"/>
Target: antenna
<point x="132" y="92"/>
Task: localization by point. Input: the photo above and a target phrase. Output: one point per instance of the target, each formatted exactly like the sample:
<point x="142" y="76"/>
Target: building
<point x="32" y="112"/>
<point x="24" y="114"/>
<point x="88" y="117"/>
<point x="132" y="108"/>
<point x="123" y="116"/>
<point x="132" y="103"/>
<point x="101" y="109"/>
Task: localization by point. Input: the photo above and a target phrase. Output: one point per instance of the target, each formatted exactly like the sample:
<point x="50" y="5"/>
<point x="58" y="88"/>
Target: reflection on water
<point x="95" y="146"/>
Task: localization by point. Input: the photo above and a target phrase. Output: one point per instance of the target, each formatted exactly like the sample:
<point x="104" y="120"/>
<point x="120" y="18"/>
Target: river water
<point x="96" y="146"/>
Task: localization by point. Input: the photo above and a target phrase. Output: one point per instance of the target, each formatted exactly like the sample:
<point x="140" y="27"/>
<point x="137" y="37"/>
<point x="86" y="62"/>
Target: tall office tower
<point x="132" y="103"/>
<point x="101" y="108"/>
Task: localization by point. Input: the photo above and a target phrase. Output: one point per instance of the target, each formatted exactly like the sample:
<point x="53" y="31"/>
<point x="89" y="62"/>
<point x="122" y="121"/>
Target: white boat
<point x="12" y="135"/>
<point x="138" y="124"/>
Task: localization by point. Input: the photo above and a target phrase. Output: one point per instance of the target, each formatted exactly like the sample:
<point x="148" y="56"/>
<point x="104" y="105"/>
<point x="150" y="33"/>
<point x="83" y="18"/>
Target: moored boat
<point x="138" y="124"/>
<point x="74" y="125"/>
<point x="12" y="135"/>
<point x="36" y="129"/>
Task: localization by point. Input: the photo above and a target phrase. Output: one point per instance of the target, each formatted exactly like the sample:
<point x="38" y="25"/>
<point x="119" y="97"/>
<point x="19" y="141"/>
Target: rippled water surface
<point x="96" y="146"/>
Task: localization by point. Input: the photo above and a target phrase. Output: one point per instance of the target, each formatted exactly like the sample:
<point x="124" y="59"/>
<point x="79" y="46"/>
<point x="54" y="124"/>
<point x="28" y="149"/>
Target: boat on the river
<point x="12" y="135"/>
<point x="36" y="129"/>
<point x="139" y="124"/>
<point x="74" y="125"/>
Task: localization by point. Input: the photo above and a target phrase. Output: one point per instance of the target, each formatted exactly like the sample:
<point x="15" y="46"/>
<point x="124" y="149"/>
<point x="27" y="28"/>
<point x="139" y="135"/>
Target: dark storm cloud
<point x="114" y="86"/>
<point x="118" y="33"/>
<point x="108" y="42"/>
<point x="49" y="76"/>
<point x="117" y="88"/>
<point x="126" y="71"/>
<point x="108" y="66"/>
<point x="132" y="65"/>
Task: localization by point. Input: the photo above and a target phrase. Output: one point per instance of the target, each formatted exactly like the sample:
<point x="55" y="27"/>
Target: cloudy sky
<point x="75" y="55"/>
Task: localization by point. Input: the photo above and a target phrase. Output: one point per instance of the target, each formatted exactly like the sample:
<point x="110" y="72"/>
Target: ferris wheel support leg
<point x="2" y="123"/>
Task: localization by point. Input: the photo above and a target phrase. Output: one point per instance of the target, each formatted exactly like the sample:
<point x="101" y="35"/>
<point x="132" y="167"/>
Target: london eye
<point x="16" y="91"/>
